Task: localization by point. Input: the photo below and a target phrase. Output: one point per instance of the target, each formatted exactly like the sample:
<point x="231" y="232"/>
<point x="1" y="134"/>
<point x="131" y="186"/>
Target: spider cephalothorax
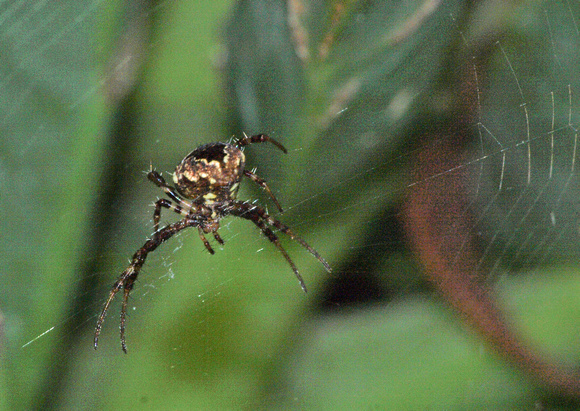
<point x="206" y="186"/>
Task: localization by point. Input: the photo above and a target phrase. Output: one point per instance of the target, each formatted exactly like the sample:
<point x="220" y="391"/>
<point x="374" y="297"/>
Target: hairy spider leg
<point x="255" y="218"/>
<point x="249" y="208"/>
<point x="258" y="215"/>
<point x="259" y="138"/>
<point x="160" y="182"/>
<point x="206" y="243"/>
<point x="262" y="183"/>
<point x="163" y="202"/>
<point x="127" y="279"/>
<point x="218" y="238"/>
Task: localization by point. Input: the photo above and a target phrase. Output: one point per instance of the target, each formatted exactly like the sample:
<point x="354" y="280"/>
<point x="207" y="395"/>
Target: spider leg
<point x="262" y="183"/>
<point x="241" y="208"/>
<point x="218" y="238"/>
<point x="116" y="287"/>
<point x="259" y="138"/>
<point x="160" y="182"/>
<point x="127" y="279"/>
<point x="255" y="218"/>
<point x="162" y="202"/>
<point x="205" y="242"/>
<point x="182" y="207"/>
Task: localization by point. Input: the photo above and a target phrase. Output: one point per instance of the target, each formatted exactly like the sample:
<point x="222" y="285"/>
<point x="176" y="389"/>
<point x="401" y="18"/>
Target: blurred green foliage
<point x="340" y="84"/>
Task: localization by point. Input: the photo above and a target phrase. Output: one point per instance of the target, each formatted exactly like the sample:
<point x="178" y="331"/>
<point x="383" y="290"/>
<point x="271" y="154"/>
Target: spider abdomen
<point x="211" y="173"/>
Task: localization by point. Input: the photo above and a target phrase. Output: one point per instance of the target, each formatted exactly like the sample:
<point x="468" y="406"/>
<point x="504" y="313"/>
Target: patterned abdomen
<point x="210" y="173"/>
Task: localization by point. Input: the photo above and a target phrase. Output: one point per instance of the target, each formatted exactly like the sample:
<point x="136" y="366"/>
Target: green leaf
<point x="54" y="138"/>
<point x="336" y="80"/>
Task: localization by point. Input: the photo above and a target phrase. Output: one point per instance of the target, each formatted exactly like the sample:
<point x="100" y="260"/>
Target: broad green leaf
<point x="54" y="136"/>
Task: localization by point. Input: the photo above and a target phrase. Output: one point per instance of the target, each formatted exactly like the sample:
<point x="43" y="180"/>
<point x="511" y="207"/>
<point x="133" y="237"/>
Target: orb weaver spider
<point x="206" y="186"/>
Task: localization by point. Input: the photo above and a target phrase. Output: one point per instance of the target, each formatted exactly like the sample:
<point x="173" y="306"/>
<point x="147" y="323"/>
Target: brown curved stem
<point x="439" y="230"/>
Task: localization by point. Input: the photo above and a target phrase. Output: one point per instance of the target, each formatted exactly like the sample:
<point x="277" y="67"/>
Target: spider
<point x="206" y="186"/>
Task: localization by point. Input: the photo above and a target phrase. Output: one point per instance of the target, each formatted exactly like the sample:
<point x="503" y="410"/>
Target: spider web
<point x="523" y="195"/>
